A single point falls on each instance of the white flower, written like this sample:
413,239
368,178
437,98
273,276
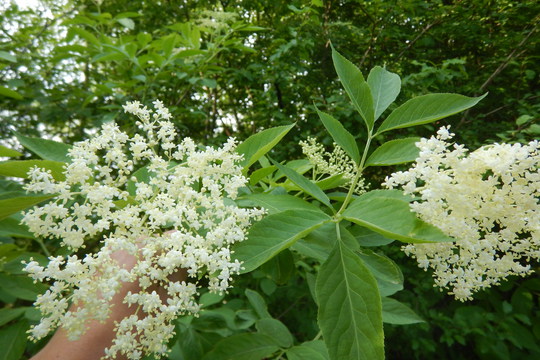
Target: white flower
488,200
127,191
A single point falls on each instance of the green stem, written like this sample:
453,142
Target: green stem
43,247
359,171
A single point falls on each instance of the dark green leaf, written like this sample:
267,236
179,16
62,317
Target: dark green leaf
13,341
355,86
427,108
247,346
259,144
21,286
350,314
311,350
15,204
340,135
275,233
46,149
276,330
306,185
387,273
7,314
394,152
258,303
208,299
385,87
277,203
394,312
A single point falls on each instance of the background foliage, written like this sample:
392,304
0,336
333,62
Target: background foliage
237,67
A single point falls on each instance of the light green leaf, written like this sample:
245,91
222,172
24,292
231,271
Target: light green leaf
388,274
7,56
126,22
46,149
393,219
260,174
4,91
259,144
275,233
385,87
394,152
258,303
340,135
278,203
4,151
276,330
247,346
13,341
427,108
349,307
311,350
397,313
12,205
20,168
356,87
306,185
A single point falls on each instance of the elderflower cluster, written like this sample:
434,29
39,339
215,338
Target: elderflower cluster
488,200
127,191
335,163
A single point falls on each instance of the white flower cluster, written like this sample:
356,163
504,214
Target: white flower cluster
176,187
488,200
334,163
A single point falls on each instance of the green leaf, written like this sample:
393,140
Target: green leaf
21,286
260,174
276,330
387,273
20,168
258,303
397,313
11,227
208,299
311,350
306,185
7,314
349,307
259,144
355,86
280,268
247,346
10,93
4,151
340,135
13,205
127,23
46,149
393,219
275,233
8,57
278,203
427,108
368,238
394,152
13,341
385,87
